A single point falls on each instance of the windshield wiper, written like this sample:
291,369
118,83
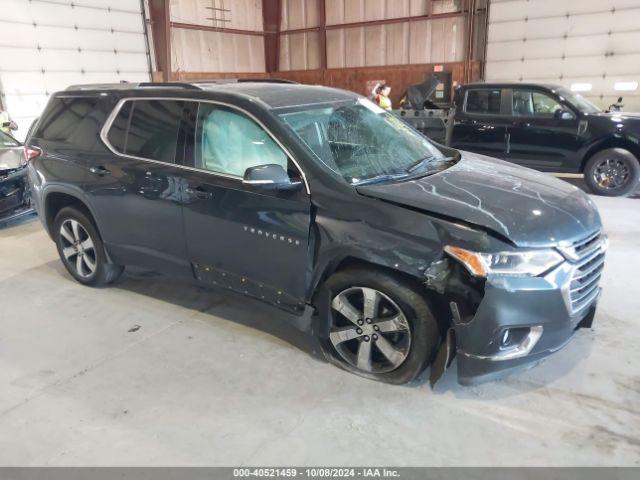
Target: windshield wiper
419,163
379,178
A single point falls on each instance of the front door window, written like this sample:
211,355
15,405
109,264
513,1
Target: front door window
229,142
534,104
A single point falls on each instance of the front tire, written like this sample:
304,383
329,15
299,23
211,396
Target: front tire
379,326
612,172
81,249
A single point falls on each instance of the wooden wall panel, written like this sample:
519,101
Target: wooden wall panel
335,49
446,6
398,77
420,42
309,77
354,79
350,11
243,14
207,51
299,14
439,40
203,76
300,51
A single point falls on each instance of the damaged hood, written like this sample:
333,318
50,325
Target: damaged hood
11,158
527,207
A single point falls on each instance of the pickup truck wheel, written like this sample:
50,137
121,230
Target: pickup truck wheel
380,327
612,172
81,250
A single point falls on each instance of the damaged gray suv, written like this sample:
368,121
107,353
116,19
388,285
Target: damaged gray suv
393,252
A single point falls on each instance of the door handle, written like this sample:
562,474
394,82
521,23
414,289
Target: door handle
198,192
100,170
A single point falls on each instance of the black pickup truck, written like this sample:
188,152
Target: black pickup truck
545,127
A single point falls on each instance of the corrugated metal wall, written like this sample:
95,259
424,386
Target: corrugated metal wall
46,46
211,51
590,44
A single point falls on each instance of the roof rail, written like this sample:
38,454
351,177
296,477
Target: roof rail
223,81
98,86
265,80
186,86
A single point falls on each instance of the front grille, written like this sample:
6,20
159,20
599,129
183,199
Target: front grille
588,258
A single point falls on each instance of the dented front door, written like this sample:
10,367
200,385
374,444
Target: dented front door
246,238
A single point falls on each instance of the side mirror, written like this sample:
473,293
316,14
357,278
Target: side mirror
561,114
269,177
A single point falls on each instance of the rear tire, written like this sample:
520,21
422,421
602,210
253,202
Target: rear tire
81,249
379,325
612,172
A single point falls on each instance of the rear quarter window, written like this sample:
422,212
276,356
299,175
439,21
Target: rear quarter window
483,101
72,120
147,129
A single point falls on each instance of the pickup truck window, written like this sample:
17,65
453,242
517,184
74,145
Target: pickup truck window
483,101
534,104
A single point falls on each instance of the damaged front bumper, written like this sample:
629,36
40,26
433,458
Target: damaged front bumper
521,319
514,329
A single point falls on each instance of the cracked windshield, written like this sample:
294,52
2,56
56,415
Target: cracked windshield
363,143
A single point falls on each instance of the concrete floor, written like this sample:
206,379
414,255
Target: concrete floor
194,385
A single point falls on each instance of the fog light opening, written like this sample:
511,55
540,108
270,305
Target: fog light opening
517,342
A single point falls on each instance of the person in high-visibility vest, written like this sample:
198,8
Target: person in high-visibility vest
381,98
6,124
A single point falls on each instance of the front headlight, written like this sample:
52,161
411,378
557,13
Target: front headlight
523,263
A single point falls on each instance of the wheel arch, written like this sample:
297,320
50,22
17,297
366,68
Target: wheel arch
56,198
610,142
350,260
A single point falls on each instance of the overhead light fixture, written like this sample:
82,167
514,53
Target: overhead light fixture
625,86
581,87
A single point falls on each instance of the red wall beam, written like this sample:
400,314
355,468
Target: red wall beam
161,31
322,20
271,13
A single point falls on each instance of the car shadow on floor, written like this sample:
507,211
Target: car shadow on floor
224,304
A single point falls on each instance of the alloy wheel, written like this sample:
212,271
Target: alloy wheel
369,330
611,174
78,249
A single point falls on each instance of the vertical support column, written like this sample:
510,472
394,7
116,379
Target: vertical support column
469,6
161,31
322,23
271,11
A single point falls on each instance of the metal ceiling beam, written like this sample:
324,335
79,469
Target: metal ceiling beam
160,19
210,28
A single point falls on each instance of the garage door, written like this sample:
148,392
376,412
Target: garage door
47,45
589,45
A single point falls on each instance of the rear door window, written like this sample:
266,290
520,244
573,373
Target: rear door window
147,129
483,101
